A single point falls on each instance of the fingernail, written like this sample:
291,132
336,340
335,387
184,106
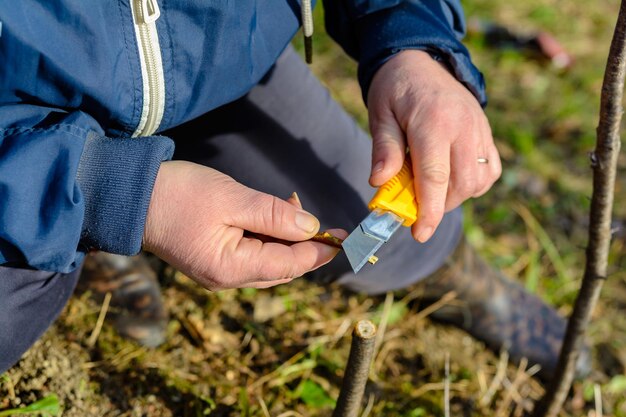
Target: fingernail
306,221
378,167
425,234
295,197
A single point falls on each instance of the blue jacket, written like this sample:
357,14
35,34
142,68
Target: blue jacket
86,85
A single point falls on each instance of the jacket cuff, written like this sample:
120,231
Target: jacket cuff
116,177
412,25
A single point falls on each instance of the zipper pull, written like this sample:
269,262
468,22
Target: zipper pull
150,11
307,29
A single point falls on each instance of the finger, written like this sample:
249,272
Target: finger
431,169
470,177
488,171
268,215
256,261
493,168
467,175
388,146
268,284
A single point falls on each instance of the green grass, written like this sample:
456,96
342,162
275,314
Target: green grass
48,406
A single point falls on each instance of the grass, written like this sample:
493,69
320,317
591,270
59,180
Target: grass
47,406
224,357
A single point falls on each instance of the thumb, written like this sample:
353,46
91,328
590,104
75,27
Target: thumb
388,146
268,215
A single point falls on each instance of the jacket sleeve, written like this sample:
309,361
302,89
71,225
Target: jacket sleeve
372,31
65,188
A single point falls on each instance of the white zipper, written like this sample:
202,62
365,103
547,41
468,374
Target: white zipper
145,15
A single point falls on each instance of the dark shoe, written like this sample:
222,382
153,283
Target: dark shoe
137,307
499,311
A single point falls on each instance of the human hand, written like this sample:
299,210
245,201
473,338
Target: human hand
197,219
414,101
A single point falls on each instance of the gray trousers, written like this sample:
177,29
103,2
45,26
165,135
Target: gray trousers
286,135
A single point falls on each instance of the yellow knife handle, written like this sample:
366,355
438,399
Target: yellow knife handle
398,195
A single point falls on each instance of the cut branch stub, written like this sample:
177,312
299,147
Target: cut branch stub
357,370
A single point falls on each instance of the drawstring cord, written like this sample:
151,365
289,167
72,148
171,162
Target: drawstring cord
307,29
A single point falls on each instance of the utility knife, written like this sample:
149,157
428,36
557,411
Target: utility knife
392,206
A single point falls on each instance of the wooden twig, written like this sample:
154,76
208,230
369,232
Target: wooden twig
443,301
370,405
357,370
597,395
446,387
511,391
93,338
497,380
327,238
604,165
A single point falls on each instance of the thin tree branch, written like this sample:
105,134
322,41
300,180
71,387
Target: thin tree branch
357,369
604,165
